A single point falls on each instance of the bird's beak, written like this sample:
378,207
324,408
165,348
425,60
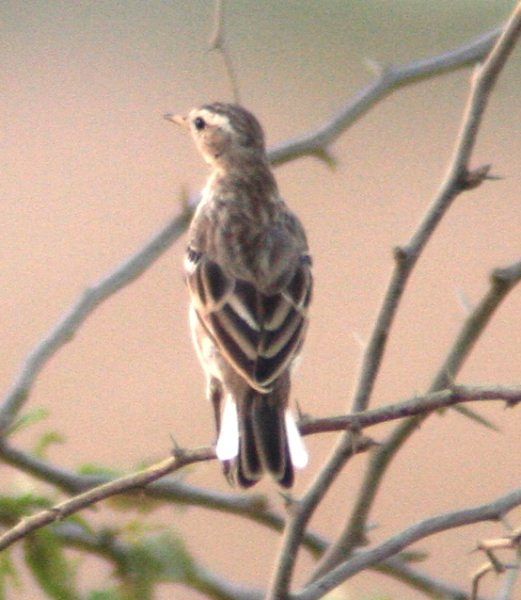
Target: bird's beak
177,119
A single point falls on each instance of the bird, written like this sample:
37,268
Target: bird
249,275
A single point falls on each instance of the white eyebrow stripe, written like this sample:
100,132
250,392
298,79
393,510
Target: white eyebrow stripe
212,118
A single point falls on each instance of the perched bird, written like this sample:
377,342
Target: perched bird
248,271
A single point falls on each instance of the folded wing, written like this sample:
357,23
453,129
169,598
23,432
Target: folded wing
259,334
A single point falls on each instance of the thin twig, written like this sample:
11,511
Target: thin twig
218,42
414,577
419,405
101,492
487,512
67,327
390,79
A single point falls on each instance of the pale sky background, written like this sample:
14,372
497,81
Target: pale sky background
90,171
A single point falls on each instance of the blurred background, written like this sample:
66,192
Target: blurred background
90,171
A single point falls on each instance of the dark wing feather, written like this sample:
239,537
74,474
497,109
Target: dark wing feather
258,334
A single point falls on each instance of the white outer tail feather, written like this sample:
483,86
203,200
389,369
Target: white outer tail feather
227,447
228,443
297,450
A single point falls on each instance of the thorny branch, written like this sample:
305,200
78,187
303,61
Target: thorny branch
486,512
218,42
455,181
92,490
502,281
313,143
390,79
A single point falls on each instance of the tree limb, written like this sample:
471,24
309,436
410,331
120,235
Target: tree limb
485,512
455,181
67,327
101,492
390,79
502,281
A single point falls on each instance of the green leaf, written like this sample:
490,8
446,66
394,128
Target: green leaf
29,418
93,469
8,574
155,559
45,441
46,558
111,594
13,508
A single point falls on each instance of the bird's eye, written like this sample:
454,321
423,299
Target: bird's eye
199,123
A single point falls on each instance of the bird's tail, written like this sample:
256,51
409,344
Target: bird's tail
267,437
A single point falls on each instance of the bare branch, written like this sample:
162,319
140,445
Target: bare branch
101,492
419,405
254,507
67,327
389,80
436,588
486,512
124,484
502,282
97,488
218,42
299,517
454,182
406,258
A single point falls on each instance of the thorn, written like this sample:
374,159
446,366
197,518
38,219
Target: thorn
375,67
300,413
326,157
400,254
228,472
359,339
464,301
177,451
291,504
473,179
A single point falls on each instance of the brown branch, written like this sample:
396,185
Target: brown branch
218,42
419,405
502,282
391,78
105,489
486,512
101,492
255,509
406,257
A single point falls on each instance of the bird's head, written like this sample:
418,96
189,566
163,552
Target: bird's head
227,135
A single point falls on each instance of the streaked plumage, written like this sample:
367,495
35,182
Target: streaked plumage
248,271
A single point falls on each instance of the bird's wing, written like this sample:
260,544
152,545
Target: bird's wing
259,334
